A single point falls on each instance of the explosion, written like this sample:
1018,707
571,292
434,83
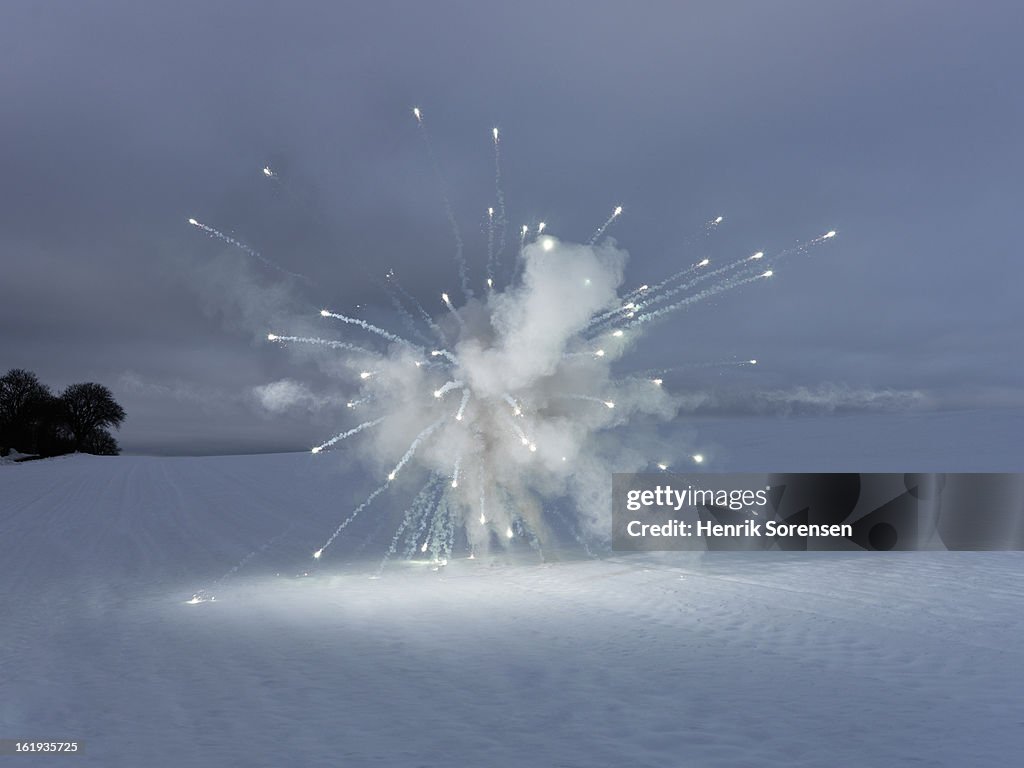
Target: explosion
503,405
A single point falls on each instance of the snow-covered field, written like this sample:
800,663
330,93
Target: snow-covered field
819,659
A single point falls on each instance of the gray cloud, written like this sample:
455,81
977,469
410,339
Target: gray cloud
897,125
819,399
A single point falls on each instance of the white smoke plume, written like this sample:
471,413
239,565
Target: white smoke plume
287,395
512,411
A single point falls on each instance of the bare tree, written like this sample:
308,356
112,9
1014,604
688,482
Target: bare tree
22,398
89,409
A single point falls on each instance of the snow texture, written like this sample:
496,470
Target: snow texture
668,660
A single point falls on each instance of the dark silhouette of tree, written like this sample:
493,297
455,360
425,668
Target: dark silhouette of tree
23,401
101,443
48,428
33,421
89,409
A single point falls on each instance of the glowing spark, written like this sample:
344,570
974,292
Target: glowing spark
753,362
831,233
419,115
589,398
494,133
662,466
718,220
508,533
698,458
548,244
657,382
599,353
490,213
617,333
448,387
271,337
767,273
703,262
540,227
445,354
451,308
316,555
268,172
758,255
513,404
193,222
365,374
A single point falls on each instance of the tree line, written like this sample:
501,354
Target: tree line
35,421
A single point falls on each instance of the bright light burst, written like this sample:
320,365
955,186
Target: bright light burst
510,413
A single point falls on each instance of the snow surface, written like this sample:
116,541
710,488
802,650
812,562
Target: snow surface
681,659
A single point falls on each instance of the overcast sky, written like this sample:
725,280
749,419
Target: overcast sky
897,124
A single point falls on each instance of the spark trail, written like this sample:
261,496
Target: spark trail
332,343
391,477
451,308
345,435
707,293
603,228
466,394
424,315
369,327
460,256
499,194
216,233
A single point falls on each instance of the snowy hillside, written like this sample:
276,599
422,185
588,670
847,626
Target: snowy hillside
721,660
